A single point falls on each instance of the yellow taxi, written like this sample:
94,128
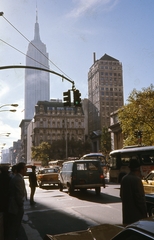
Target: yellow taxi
148,183
47,176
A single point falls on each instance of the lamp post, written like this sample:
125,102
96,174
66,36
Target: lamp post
11,105
5,134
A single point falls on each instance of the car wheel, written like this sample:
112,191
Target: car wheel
97,190
60,187
70,189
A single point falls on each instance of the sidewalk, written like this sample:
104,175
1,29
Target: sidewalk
27,231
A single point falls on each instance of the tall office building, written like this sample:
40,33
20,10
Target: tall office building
37,83
105,90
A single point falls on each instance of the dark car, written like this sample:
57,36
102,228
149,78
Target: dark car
81,174
150,203
141,230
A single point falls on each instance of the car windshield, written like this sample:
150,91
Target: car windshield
150,176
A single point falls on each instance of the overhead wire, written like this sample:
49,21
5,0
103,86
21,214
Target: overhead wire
23,53
34,47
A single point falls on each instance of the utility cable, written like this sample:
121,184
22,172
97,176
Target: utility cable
23,53
34,46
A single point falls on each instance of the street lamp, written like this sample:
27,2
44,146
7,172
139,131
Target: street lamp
11,110
5,134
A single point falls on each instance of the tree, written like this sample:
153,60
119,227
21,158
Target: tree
57,150
138,116
42,153
105,141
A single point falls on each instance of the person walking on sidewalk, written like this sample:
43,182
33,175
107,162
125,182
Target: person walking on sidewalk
32,184
132,195
17,193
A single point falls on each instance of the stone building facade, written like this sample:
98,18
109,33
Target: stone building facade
52,121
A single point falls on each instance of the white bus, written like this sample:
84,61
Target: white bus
119,161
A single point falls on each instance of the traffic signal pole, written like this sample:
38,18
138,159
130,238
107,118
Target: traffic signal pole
40,69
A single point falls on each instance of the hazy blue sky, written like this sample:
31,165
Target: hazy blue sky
72,30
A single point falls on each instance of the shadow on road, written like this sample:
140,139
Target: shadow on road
92,197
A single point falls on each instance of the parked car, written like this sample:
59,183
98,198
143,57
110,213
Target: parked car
148,183
47,176
150,204
81,174
141,230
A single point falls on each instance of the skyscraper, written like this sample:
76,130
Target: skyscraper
105,90
37,83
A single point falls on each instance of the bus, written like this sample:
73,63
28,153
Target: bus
119,161
99,156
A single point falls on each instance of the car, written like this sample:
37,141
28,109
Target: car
150,204
81,174
47,176
141,230
148,183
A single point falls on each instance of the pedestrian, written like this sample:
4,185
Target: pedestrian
4,197
13,171
32,184
132,194
16,201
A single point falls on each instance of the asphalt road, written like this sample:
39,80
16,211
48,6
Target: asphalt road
56,212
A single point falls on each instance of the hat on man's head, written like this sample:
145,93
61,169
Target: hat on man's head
134,163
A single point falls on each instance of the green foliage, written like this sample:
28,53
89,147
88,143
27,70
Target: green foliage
57,150
138,115
42,153
105,141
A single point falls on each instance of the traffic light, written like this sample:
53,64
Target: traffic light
67,98
77,98
136,134
140,134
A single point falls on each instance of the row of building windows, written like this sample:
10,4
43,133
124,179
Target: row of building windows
110,74
111,68
110,63
111,89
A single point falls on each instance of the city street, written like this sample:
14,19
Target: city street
56,212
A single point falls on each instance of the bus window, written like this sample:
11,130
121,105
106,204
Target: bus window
147,159
113,162
125,160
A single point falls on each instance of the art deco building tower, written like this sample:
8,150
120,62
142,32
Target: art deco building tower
37,83
105,91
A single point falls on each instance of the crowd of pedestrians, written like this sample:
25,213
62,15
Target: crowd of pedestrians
13,193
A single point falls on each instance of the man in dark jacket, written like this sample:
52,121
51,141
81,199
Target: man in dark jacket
32,184
17,194
132,195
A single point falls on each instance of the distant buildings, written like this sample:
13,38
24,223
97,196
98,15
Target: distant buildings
48,121
105,93
53,122
37,83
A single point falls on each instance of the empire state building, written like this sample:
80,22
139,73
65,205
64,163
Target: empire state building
37,83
